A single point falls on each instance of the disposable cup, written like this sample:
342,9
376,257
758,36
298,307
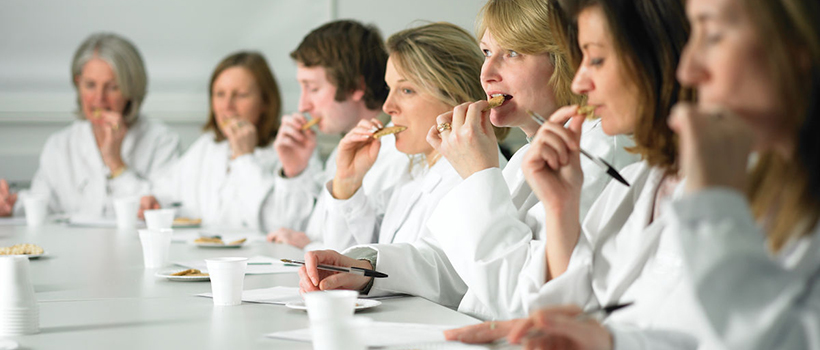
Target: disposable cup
227,279
36,210
155,245
126,209
16,289
158,219
344,334
331,305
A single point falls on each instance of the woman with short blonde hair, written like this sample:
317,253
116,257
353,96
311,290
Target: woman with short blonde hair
111,151
431,69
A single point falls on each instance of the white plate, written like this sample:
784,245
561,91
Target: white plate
167,274
30,256
215,245
361,304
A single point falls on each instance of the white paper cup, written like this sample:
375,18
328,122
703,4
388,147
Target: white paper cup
126,209
16,289
155,245
36,210
227,279
331,304
344,334
158,219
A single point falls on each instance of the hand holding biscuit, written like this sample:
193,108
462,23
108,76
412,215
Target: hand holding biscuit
294,144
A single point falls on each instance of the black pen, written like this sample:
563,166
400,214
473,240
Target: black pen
610,170
354,270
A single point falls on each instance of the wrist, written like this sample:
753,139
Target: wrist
289,172
344,188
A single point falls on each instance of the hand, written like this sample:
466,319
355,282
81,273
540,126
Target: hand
293,145
356,154
147,203
7,199
288,236
241,136
470,146
559,328
312,279
552,167
714,147
482,333
112,130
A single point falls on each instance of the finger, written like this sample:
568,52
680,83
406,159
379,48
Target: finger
568,136
485,333
271,236
476,115
459,115
519,330
678,116
433,138
558,145
446,117
377,123
337,281
4,188
542,317
563,114
311,267
548,155
305,285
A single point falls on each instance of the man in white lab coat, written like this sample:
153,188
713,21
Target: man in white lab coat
340,68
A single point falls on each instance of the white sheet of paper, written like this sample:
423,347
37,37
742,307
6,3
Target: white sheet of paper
390,335
275,266
274,295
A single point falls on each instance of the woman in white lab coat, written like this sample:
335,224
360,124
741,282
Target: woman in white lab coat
491,225
622,251
431,69
226,177
744,234
111,151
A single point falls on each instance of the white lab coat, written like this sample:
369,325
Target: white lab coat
622,256
491,226
72,173
407,252
388,169
753,299
225,193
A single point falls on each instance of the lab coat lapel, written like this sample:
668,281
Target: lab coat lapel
633,251
429,183
91,182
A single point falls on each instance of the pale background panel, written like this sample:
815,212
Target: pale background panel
181,42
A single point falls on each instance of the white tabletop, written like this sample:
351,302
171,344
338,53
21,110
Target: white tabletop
94,293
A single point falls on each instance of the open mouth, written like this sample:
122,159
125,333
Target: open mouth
498,100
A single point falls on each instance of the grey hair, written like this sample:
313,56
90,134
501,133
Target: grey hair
126,63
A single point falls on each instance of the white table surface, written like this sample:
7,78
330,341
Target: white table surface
94,293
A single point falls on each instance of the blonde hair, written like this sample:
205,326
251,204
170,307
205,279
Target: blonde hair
526,26
785,190
443,60
126,63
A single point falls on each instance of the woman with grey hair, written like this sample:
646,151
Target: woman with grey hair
110,151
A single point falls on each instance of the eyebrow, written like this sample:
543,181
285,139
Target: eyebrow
585,45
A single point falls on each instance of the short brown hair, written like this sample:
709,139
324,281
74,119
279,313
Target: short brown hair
443,60
649,37
255,63
352,54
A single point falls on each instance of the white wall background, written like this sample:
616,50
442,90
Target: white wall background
180,40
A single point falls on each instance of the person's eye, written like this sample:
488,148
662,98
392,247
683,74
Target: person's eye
114,88
487,53
219,94
406,91
714,38
89,85
596,61
513,53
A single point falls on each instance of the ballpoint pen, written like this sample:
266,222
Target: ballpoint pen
610,170
354,270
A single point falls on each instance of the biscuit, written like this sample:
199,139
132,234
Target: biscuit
22,249
311,123
388,131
